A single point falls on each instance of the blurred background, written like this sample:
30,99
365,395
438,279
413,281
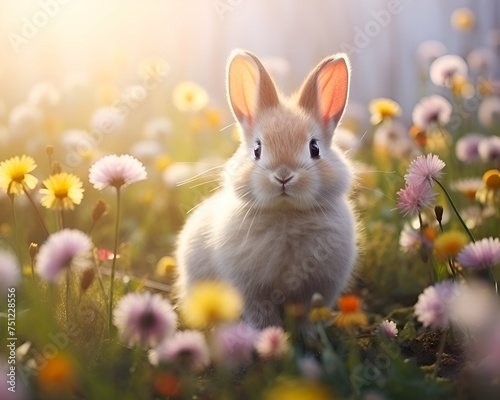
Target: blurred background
195,37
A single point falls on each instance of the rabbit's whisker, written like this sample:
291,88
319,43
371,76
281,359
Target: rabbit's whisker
203,183
197,176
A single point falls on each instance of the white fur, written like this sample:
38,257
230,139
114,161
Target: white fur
275,249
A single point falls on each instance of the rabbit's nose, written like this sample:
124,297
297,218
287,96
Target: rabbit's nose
283,181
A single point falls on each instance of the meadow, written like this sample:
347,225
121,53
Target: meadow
98,174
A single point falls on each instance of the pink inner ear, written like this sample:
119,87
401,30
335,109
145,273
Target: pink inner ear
333,85
242,88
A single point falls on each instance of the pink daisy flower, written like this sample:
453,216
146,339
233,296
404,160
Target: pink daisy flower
144,319
387,329
424,169
414,198
489,149
466,147
116,171
234,344
185,347
481,254
272,343
430,111
445,68
69,248
10,274
432,308
488,112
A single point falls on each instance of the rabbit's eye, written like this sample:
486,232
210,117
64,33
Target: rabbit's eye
314,148
257,150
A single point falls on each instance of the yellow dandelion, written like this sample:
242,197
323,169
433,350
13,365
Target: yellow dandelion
491,179
383,108
350,315
209,302
15,173
463,20
448,244
489,194
298,390
62,191
166,266
188,96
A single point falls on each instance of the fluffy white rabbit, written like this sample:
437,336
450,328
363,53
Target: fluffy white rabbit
281,228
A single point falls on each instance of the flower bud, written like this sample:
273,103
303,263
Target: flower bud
87,279
33,250
99,210
438,210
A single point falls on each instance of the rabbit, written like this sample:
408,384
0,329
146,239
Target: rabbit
282,227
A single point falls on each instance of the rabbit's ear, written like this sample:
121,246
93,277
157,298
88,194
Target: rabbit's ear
250,88
325,91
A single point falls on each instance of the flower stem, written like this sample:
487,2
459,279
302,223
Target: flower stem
465,227
324,339
62,219
37,212
32,263
67,297
423,254
16,231
113,265
91,228
452,268
455,210
442,343
101,285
